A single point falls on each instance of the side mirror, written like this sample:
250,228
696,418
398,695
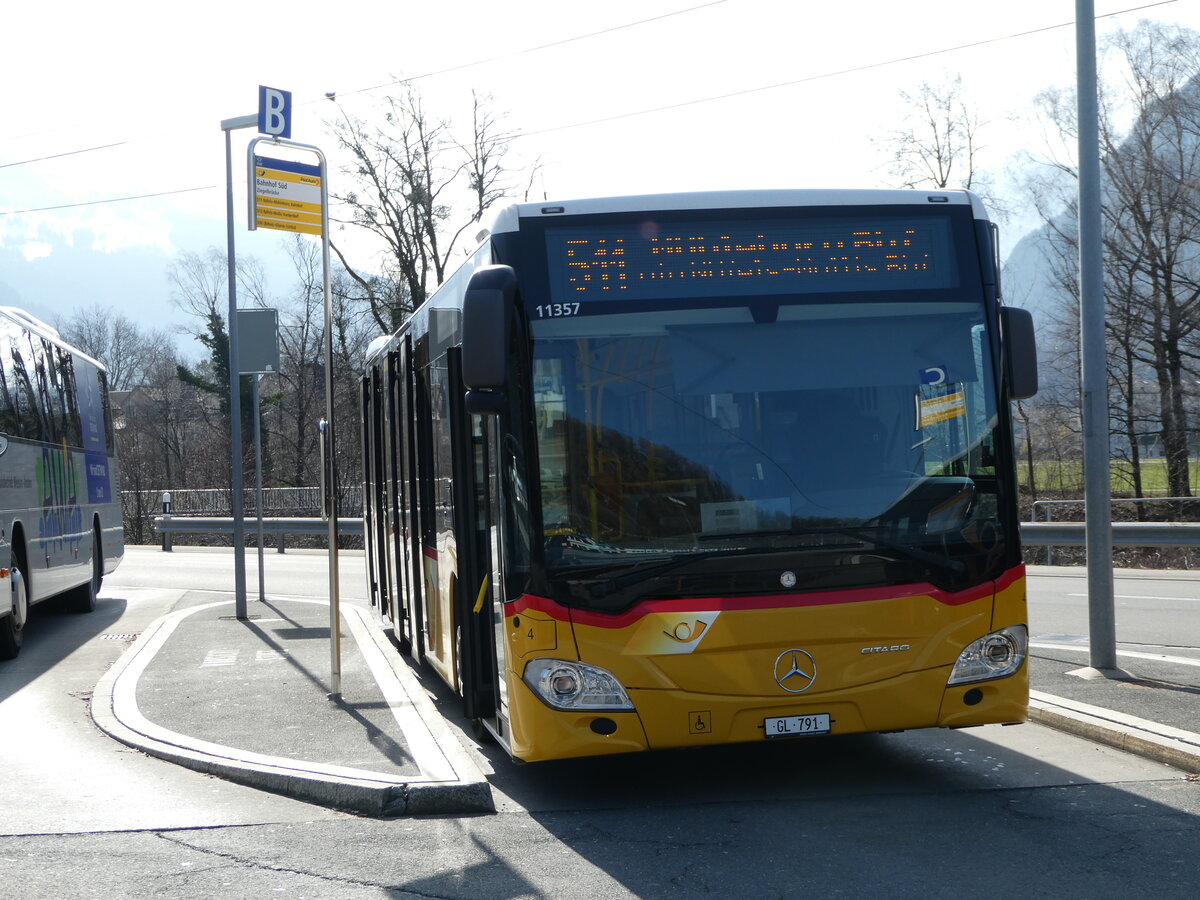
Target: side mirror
1020,352
488,306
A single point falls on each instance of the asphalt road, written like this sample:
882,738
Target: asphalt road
1154,610
1021,811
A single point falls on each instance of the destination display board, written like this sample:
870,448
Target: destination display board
750,257
287,195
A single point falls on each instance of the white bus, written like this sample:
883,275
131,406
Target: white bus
60,510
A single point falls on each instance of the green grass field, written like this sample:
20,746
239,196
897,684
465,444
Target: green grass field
1067,476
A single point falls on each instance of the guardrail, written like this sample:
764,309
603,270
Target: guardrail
271,525
1129,534
1048,507
291,501
1126,534
277,526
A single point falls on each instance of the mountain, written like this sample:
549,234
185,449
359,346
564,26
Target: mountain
132,281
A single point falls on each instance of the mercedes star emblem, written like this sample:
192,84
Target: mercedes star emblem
795,671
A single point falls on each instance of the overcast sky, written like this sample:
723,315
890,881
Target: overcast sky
627,96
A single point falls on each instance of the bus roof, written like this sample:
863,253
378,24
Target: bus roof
508,219
43,330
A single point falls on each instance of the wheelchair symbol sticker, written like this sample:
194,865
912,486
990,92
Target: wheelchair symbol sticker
934,375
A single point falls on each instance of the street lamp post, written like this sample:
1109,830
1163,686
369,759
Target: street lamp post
1097,487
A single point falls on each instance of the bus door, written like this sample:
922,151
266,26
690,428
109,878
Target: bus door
393,490
425,503
390,587
496,574
406,546
475,612
373,491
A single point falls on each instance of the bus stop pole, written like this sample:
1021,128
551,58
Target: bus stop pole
328,444
258,480
335,638
235,398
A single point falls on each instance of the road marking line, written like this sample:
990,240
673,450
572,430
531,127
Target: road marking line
422,746
1133,654
1143,597
126,712
219,658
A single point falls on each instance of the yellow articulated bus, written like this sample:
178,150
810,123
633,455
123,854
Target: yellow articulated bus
682,470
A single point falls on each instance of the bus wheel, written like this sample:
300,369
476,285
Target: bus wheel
480,732
12,626
83,598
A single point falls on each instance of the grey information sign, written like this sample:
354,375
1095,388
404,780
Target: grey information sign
258,345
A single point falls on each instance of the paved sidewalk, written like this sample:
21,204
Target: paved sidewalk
1150,707
249,701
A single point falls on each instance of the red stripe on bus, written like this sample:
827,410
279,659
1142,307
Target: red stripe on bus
1011,577
776,601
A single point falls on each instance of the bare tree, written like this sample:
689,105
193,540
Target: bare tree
300,380
939,146
1151,208
294,397
200,287
129,352
200,284
410,178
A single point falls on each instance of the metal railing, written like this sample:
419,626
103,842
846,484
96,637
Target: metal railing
286,501
1130,534
141,507
1126,534
1048,506
271,525
167,526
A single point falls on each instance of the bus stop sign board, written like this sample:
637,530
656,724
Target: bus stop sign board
287,195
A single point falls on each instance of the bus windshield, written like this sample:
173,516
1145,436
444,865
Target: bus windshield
687,452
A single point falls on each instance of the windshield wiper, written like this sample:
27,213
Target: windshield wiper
600,585
914,553
605,586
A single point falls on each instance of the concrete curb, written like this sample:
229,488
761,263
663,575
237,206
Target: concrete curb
1161,743
449,782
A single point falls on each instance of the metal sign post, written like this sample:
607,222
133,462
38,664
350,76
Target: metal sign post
259,356
294,197
235,394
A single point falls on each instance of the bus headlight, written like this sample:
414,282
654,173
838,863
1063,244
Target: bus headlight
569,685
994,655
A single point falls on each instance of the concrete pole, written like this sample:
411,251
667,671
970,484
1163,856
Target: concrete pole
1093,362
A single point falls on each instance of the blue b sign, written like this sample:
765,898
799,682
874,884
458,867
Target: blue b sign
274,112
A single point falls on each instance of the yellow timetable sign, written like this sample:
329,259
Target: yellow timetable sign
287,195
950,405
